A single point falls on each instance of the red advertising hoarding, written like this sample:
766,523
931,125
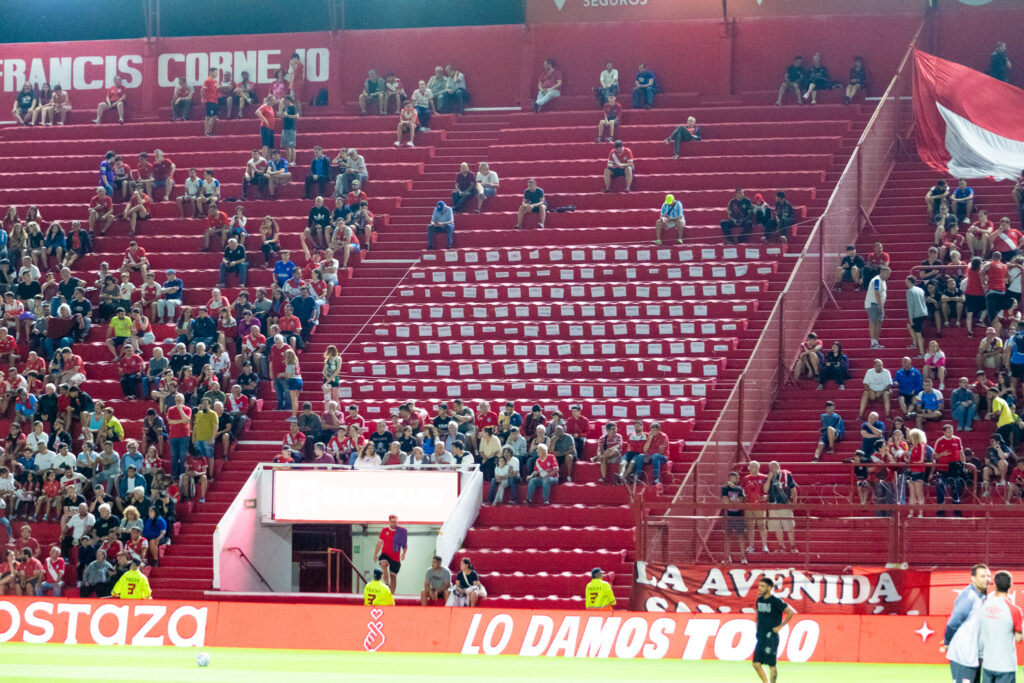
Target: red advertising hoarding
810,637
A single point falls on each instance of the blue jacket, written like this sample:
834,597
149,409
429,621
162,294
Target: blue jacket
909,382
320,167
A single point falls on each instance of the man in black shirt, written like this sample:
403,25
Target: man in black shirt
306,310
533,201
937,194
248,380
234,262
795,74
772,615
739,216
850,267
317,226
381,439
204,329
735,524
81,310
782,218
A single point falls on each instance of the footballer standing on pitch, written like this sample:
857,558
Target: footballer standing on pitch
772,615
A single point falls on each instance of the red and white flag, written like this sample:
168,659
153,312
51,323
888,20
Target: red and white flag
968,124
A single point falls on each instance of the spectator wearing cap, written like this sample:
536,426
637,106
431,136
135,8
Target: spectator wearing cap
619,164
598,594
671,217
831,432
173,290
443,221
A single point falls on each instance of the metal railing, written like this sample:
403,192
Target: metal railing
241,553
334,558
807,289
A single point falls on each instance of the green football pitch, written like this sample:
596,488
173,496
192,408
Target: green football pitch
82,663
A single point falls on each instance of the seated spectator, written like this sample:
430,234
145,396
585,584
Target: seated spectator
908,382
217,223
373,91
935,364
644,87
422,99
194,482
319,172
738,216
465,187
689,132
96,577
962,201
612,112
101,209
137,209
850,268
277,173
793,80
654,451
393,90
620,164
609,84
352,167
115,99
927,404
548,86
438,85
817,79
234,261
486,184
437,584
877,385
563,447
30,573
443,221
408,122
467,590
858,80
533,202
831,432
455,94
544,475
936,196
811,356
979,233
181,100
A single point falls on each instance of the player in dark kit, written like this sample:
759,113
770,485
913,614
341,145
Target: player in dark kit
772,615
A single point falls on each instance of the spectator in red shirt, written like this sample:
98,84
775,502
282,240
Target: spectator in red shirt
277,371
655,452
101,208
949,455
179,431
210,94
612,111
217,223
9,574
620,163
29,573
874,262
577,427
267,119
549,85
753,489
544,475
136,210
163,174
194,480
115,99
181,100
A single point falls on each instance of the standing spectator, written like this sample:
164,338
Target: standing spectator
373,91
949,456
919,456
296,78
739,215
609,84
210,93
831,432
442,221
999,64
549,85
735,525
794,78
289,120
392,544
179,431
115,99
690,132
671,216
644,87
753,488
268,119
993,277
874,304
610,117
486,184
598,594
917,311
437,583
620,163
533,202
877,385
781,490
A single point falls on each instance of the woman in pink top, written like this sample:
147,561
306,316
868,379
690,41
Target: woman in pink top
935,364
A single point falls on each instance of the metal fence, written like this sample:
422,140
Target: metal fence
807,289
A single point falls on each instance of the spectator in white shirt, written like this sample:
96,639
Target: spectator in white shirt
354,168
877,385
486,184
609,84
874,304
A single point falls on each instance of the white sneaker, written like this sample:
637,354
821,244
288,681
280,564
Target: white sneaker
398,144
750,548
409,144
764,548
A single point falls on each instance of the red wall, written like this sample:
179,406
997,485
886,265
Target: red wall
502,63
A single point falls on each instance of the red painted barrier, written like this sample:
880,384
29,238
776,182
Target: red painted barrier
810,637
